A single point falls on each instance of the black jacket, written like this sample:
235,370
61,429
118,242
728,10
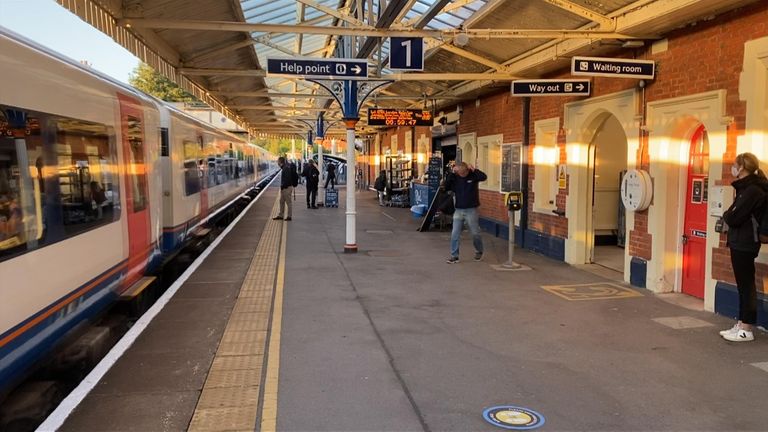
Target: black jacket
312,174
381,183
331,170
750,203
466,188
286,176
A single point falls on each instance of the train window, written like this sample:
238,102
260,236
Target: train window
165,142
21,219
86,171
137,169
56,179
193,173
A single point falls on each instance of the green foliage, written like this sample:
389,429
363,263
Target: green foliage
151,82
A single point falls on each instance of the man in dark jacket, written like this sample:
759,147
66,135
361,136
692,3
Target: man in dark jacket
287,181
464,182
330,176
312,174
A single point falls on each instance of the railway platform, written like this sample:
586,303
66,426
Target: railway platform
279,329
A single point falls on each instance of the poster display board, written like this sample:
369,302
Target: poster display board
511,167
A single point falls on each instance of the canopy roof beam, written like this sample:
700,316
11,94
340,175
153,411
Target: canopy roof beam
604,21
233,26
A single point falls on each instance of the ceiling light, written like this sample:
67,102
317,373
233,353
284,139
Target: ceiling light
461,39
633,44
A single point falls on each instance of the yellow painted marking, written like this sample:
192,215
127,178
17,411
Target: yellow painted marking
269,408
592,291
230,396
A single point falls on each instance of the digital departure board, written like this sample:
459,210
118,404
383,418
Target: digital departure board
399,117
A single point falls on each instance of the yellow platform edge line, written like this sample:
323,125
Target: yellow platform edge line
208,419
269,405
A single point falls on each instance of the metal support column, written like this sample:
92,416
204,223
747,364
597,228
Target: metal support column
350,120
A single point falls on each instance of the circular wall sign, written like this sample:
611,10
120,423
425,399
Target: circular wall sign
636,190
513,417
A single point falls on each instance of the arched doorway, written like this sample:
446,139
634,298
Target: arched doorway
694,236
606,218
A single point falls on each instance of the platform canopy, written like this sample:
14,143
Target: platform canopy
218,49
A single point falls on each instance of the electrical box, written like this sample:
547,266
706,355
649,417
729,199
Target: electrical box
514,201
720,198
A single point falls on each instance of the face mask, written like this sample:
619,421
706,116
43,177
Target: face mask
735,171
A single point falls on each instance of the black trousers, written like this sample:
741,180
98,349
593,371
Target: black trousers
744,270
311,196
331,180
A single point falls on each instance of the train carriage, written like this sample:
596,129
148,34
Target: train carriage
99,184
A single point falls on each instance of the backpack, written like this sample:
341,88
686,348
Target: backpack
380,184
761,226
294,176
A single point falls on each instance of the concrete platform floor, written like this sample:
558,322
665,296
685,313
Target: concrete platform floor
393,338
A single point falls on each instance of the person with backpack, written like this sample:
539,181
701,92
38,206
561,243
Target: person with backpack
288,180
744,219
331,175
380,185
312,174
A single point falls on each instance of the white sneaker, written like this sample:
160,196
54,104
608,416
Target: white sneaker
740,336
733,329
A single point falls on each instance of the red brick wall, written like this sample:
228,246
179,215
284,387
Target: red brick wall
700,58
497,114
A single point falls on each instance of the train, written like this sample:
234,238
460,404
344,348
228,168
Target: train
99,185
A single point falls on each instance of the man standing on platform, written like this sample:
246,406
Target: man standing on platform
288,179
464,182
312,174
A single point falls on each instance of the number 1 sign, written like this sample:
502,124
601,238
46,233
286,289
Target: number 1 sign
406,53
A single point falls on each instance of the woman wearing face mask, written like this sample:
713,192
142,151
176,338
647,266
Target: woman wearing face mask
742,218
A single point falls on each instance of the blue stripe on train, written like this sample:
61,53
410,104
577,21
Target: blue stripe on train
32,345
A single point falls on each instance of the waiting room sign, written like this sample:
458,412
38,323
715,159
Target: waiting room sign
613,67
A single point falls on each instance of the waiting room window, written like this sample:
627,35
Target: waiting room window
545,160
489,160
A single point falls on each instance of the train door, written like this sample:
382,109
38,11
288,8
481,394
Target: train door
695,222
136,193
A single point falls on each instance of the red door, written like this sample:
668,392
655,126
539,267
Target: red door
136,193
695,226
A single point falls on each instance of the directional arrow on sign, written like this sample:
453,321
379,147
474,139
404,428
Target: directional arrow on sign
551,87
356,69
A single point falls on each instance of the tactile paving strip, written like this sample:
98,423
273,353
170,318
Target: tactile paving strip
230,397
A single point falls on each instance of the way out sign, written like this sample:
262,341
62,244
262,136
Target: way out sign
551,88
613,67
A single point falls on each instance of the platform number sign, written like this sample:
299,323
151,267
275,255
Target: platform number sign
406,53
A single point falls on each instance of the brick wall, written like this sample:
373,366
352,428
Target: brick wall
704,57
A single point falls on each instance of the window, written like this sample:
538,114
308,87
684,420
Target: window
489,160
86,174
467,150
545,159
137,170
193,169
57,179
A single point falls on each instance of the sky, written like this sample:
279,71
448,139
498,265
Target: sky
54,27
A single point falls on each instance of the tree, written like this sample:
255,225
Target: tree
151,82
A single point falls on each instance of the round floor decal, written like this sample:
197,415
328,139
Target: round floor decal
512,417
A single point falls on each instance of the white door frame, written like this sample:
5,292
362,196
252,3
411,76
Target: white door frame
582,119
671,124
